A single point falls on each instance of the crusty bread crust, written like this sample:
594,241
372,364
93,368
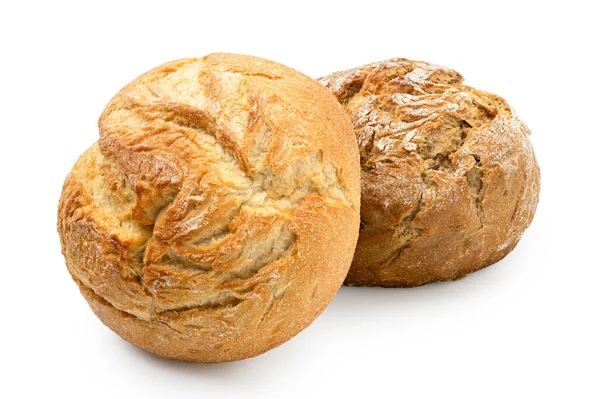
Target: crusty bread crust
218,213
449,178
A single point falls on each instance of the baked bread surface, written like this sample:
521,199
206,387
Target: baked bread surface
449,178
218,213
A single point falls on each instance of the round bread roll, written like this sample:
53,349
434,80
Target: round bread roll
218,213
449,178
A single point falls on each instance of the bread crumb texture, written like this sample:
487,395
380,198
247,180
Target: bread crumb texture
449,178
218,213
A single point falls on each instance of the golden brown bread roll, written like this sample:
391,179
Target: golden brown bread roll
449,177
218,213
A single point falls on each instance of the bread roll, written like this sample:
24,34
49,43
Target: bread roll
449,177
217,215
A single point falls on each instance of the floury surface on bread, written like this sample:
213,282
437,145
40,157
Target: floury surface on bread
217,215
449,177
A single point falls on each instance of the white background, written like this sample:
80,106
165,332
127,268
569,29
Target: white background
526,327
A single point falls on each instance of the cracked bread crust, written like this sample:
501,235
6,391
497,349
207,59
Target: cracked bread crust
449,177
217,215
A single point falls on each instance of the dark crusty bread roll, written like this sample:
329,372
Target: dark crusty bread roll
217,215
449,177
